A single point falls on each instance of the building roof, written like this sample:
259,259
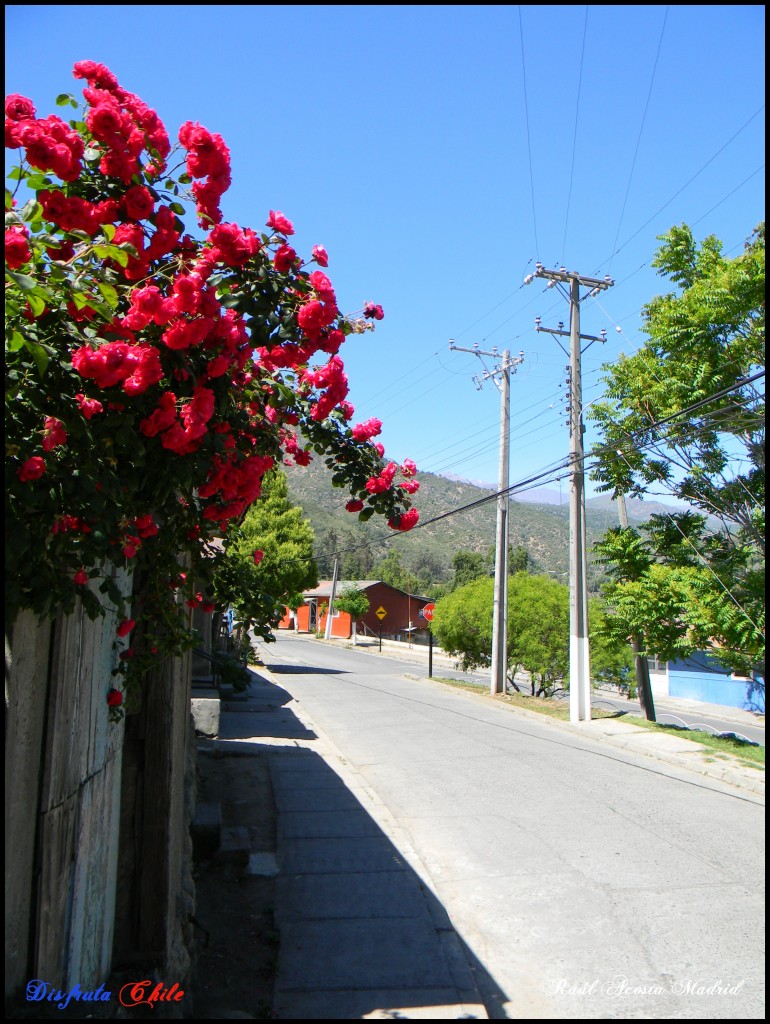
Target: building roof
324,588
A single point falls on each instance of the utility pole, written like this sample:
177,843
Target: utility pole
641,666
500,600
330,608
579,658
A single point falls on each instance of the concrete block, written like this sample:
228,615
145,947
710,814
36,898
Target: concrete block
206,713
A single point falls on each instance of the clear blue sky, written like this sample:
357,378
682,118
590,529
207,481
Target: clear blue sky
437,152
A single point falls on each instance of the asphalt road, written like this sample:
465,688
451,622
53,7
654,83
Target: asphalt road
590,882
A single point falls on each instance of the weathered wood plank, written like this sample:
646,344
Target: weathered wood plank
27,649
57,833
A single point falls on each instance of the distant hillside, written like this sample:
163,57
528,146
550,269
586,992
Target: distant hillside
542,529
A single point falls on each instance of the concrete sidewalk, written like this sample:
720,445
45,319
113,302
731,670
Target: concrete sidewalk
361,934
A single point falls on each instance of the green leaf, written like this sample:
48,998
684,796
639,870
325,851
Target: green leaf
16,342
40,356
16,174
38,181
31,210
177,208
24,281
65,99
109,293
36,303
112,252
108,230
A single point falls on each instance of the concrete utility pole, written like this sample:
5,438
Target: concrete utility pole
500,601
330,609
579,659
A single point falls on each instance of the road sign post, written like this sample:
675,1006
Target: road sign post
427,614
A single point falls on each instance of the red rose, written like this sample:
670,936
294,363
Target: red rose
19,108
258,556
125,627
354,505
89,406
114,698
32,469
373,312
81,577
406,521
138,203
279,223
16,248
320,256
284,258
54,434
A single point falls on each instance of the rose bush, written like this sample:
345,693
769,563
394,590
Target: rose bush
154,374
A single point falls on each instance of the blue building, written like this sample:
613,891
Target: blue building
701,677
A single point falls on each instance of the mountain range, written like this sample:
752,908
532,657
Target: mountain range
541,527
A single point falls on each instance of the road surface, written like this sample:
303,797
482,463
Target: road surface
589,882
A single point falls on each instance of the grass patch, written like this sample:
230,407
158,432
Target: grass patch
746,753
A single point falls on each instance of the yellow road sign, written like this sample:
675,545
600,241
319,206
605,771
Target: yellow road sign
380,613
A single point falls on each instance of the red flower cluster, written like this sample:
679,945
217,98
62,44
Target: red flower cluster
207,157
367,430
122,123
333,379
383,482
406,521
178,357
49,144
71,213
137,367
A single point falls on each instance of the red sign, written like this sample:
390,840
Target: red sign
427,612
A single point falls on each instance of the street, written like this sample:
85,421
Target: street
590,882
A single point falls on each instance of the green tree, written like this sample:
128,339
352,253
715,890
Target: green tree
391,570
538,630
538,627
462,623
612,660
269,557
355,603
358,559
468,566
684,415
518,559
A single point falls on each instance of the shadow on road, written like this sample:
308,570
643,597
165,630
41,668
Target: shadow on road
360,931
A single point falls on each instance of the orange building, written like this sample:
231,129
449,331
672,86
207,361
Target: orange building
393,613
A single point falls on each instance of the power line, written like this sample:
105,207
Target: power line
574,137
529,140
639,137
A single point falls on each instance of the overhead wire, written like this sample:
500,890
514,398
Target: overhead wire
639,136
529,137
574,136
